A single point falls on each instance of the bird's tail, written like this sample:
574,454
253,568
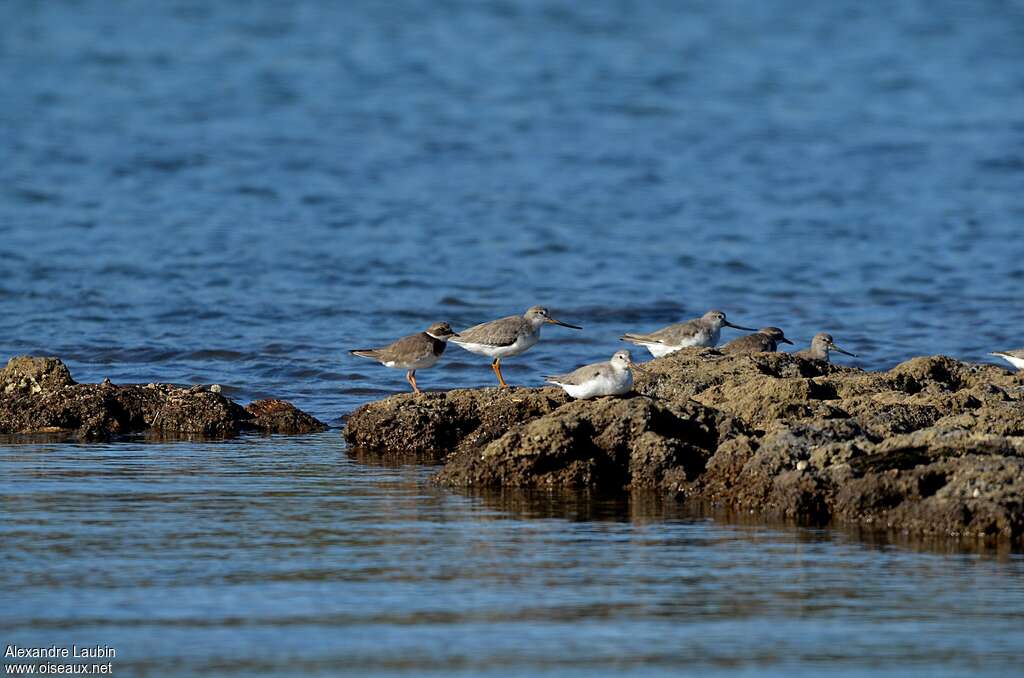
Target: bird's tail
634,338
370,353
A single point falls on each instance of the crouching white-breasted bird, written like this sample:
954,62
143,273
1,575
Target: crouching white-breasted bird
614,377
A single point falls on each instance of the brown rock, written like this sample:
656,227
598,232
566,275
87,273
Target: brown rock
933,445
31,375
279,416
39,395
608,442
431,425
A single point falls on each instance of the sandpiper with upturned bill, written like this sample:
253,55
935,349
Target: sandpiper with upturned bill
411,353
704,331
507,337
765,340
614,377
821,344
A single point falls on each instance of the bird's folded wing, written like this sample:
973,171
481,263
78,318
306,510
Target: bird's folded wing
408,349
502,332
675,333
579,376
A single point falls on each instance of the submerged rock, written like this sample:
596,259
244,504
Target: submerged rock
280,416
933,445
38,395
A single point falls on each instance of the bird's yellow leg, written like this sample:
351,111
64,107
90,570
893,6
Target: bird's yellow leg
496,366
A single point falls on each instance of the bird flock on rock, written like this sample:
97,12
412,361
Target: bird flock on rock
514,334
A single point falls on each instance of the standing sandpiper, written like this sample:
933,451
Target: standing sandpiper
414,352
1014,357
821,344
507,336
703,331
599,379
765,340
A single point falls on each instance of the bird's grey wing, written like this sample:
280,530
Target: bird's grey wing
501,332
666,335
1015,353
581,375
673,334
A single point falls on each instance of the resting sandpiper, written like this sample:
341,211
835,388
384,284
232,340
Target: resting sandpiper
765,340
703,331
599,379
507,336
821,344
1014,357
414,352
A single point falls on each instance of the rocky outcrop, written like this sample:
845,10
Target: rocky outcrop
933,445
608,443
430,426
38,395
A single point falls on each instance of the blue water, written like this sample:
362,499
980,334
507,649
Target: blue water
232,192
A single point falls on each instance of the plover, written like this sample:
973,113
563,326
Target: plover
703,331
507,336
614,377
411,353
765,340
821,344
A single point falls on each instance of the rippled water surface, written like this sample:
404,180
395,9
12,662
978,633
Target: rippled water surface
284,556
234,192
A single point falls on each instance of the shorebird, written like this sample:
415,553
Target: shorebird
414,352
765,340
703,331
821,344
613,377
1014,357
507,336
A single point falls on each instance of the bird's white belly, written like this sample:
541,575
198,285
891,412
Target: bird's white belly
659,350
604,385
522,343
1016,362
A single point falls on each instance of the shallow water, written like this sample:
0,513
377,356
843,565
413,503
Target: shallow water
232,193
281,555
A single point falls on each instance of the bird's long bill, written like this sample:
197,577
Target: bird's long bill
737,327
836,348
559,322
455,335
637,366
785,341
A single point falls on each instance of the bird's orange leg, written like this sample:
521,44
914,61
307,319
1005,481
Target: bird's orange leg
496,366
410,376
